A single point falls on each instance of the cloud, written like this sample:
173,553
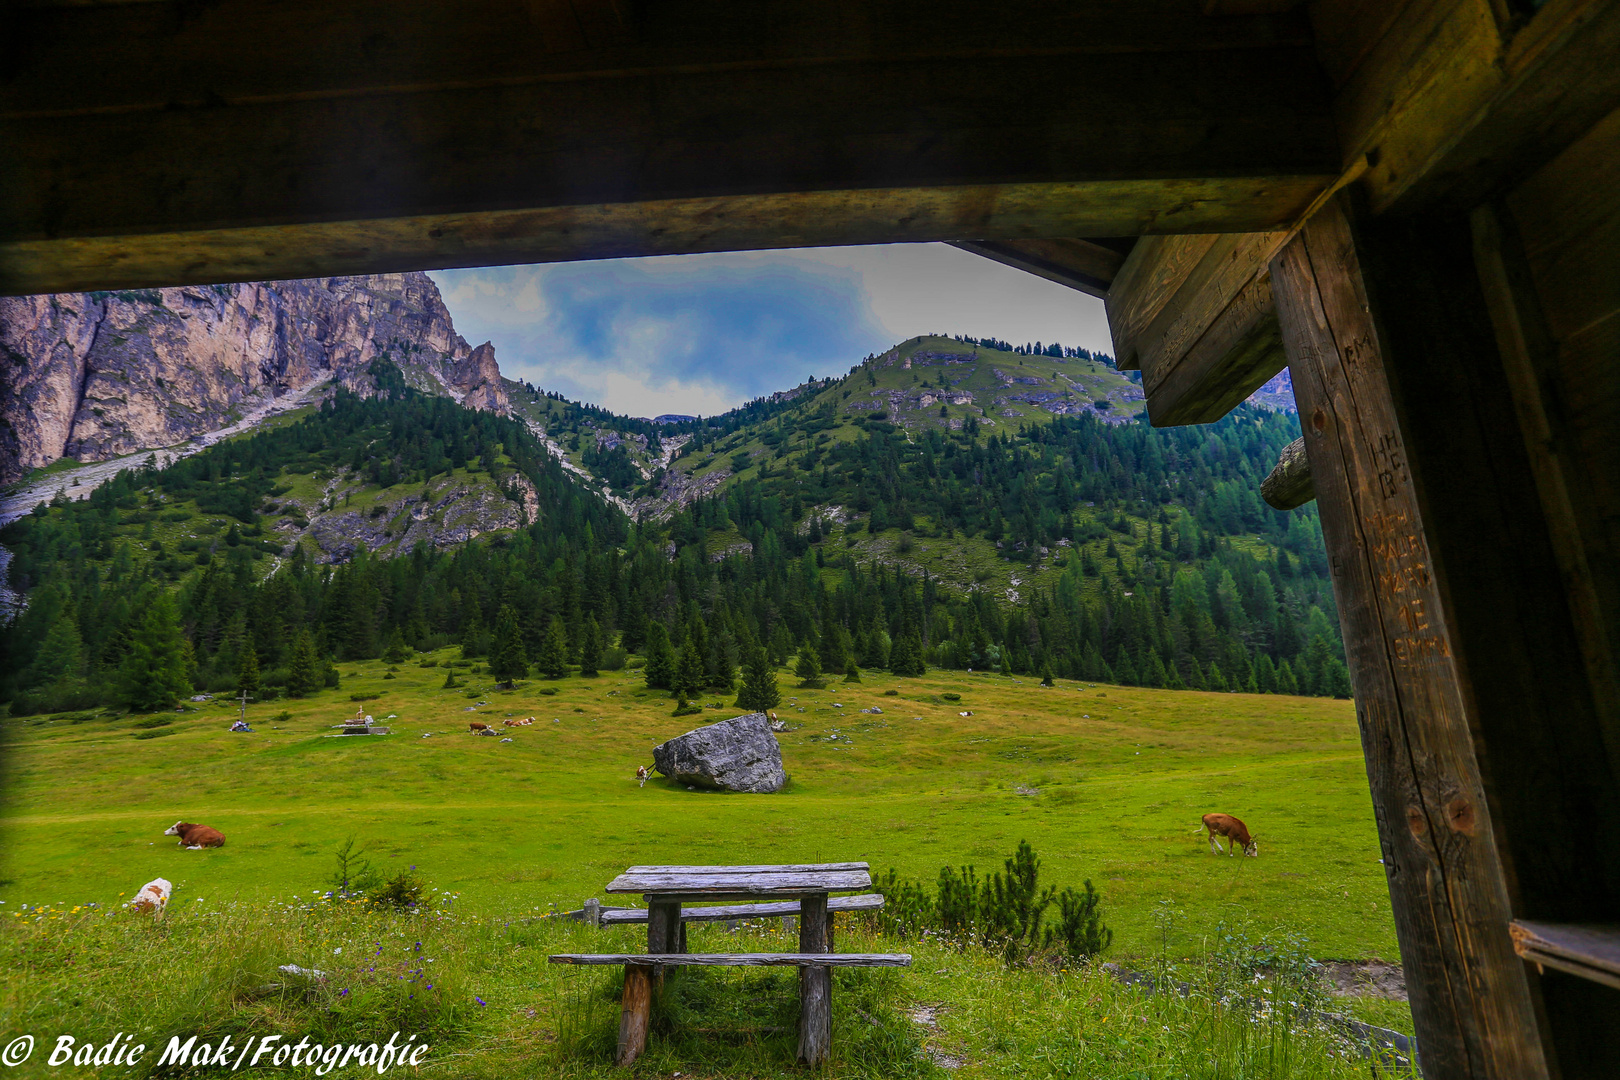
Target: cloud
704,333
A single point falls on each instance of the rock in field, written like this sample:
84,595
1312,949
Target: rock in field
739,754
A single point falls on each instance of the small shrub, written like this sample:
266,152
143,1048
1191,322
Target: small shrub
281,718
364,697
613,659
548,691
951,697
154,734
891,693
402,891
428,663
154,722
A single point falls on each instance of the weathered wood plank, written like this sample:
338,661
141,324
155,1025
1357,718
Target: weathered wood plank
763,868
1079,264
815,984
1146,281
1231,264
358,138
1572,483
639,960
1237,354
1471,1003
634,1010
1457,101
603,230
727,912
741,885
1289,485
1592,952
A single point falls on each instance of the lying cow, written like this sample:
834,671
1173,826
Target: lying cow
195,837
1236,833
518,723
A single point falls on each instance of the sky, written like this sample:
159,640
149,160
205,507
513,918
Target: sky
701,334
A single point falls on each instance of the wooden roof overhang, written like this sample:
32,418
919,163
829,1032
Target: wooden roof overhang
160,143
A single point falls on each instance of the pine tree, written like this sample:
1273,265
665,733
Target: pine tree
851,672
247,670
396,651
808,667
303,665
553,661
590,648
1046,674
1286,683
508,660
660,670
688,671
155,671
60,660
759,691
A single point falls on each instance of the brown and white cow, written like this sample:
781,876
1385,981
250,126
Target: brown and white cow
195,837
1236,833
641,775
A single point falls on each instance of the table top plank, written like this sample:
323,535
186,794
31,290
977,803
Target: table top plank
718,882
766,868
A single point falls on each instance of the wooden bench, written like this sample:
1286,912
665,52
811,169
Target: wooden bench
752,959
796,889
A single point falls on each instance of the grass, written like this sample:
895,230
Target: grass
478,991
1121,777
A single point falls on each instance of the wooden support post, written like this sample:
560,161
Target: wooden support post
636,1007
1472,1005
815,983
593,912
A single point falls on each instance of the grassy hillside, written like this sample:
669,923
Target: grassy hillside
1106,782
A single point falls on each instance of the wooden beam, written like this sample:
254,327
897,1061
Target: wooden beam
1080,264
162,143
1472,1005
1288,486
1195,314
1455,99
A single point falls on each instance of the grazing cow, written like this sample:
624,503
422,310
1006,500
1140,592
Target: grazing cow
641,775
195,837
153,897
477,726
1236,833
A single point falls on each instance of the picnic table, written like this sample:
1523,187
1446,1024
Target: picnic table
803,889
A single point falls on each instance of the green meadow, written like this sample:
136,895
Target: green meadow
1107,783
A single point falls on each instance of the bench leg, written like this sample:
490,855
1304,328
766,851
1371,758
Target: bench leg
815,984
633,1017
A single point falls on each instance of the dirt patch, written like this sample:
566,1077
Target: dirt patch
1366,978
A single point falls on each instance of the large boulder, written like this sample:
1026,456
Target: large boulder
739,754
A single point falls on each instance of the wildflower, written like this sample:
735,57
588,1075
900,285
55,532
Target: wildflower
480,1000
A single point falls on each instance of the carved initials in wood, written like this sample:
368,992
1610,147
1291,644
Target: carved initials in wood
1389,461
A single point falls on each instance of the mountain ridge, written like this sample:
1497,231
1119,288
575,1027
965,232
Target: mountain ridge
93,376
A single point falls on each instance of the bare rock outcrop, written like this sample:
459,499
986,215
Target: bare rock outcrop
739,754
95,375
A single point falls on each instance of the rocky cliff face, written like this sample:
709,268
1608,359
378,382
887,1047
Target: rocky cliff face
96,375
